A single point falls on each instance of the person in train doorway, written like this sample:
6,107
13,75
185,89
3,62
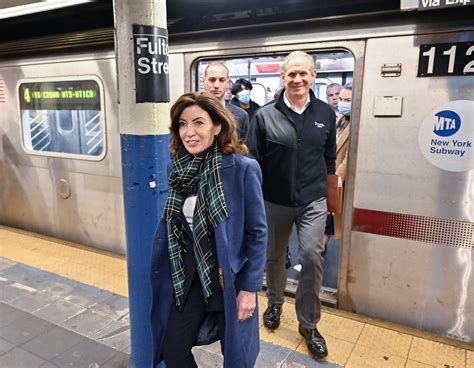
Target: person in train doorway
216,81
334,221
208,252
294,140
241,91
228,92
332,95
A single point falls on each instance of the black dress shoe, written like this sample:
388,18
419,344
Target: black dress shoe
271,317
314,341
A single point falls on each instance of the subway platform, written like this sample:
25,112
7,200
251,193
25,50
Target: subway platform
65,305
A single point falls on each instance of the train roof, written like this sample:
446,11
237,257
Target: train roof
88,24
183,15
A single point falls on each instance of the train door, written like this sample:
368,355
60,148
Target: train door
333,66
410,256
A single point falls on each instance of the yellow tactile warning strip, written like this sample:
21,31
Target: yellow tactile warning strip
353,341
90,266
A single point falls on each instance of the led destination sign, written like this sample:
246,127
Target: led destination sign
89,93
63,95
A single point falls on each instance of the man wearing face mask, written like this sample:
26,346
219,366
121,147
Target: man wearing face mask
241,90
334,222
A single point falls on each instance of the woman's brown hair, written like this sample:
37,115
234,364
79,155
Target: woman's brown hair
228,139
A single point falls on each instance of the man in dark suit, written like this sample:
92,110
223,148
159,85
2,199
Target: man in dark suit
216,78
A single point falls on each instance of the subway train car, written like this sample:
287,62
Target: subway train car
407,249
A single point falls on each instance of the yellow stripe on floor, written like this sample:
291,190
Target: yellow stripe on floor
90,266
353,340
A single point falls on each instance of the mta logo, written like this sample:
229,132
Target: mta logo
447,124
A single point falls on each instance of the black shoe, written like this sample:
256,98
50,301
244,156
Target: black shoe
314,341
271,317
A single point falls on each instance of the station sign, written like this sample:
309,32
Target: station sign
442,4
150,45
446,136
60,95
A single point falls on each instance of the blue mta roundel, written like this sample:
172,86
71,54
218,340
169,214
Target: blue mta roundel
447,123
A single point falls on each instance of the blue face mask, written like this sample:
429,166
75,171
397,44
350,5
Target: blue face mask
344,108
244,96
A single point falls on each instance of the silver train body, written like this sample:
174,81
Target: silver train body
417,273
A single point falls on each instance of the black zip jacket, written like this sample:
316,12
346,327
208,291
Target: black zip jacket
295,159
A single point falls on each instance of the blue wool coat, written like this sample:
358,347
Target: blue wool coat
241,247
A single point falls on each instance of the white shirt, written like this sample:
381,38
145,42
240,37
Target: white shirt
188,210
294,108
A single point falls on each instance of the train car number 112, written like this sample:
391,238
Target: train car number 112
446,59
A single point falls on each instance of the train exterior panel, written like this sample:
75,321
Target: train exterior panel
423,264
417,272
31,198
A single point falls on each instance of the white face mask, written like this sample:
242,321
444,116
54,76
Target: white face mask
344,108
243,96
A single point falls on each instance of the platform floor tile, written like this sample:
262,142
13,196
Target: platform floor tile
272,356
469,359
87,265
19,358
342,328
52,343
59,311
437,354
5,346
386,340
86,353
24,329
365,357
413,364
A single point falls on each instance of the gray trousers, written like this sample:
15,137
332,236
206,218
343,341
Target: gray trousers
310,222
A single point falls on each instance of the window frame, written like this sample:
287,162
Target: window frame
69,78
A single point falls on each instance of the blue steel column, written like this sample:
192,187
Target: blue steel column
144,142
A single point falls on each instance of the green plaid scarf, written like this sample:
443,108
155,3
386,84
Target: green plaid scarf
189,175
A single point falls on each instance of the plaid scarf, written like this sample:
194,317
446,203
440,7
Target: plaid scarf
189,175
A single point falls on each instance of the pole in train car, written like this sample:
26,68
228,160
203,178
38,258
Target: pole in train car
143,91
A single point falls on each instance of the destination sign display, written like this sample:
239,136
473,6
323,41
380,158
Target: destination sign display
60,95
442,4
446,59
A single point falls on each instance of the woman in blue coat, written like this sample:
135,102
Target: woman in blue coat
209,248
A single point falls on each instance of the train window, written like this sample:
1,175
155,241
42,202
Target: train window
264,72
63,117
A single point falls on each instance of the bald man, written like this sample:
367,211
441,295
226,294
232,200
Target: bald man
216,79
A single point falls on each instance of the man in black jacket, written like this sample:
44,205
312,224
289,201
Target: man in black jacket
294,140
216,80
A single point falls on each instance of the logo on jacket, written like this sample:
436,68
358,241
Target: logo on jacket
319,125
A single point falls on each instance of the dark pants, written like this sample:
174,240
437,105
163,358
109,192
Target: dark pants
183,328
